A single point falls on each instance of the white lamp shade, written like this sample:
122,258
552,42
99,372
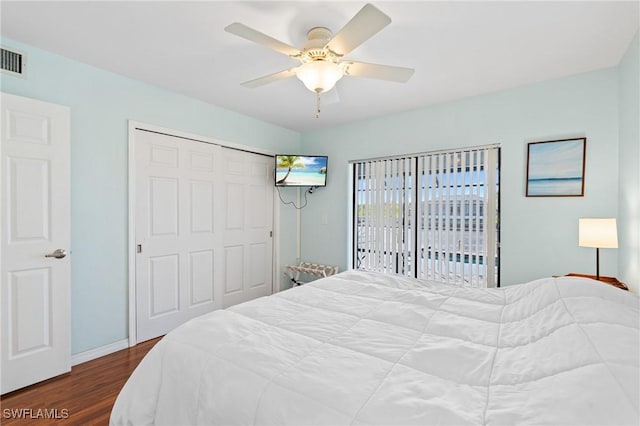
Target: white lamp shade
319,76
597,232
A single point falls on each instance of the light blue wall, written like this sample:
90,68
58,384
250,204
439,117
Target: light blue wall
101,103
539,235
629,205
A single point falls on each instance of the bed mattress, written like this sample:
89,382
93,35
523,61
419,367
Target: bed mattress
366,348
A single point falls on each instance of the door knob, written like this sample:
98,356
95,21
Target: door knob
58,254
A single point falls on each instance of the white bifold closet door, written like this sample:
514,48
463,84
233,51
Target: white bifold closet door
201,221
248,224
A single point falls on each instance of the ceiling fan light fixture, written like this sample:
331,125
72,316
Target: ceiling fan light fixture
320,58
319,76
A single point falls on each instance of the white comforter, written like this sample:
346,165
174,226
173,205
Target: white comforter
362,348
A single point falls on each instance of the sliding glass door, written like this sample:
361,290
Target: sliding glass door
432,216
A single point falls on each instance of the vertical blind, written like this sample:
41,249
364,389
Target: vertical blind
432,216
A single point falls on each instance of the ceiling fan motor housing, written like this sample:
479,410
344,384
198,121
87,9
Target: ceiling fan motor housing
314,49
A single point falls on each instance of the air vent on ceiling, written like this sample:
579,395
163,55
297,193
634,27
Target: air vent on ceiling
12,62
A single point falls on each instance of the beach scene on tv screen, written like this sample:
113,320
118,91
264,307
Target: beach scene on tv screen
298,170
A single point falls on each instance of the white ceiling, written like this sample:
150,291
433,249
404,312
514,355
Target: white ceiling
458,49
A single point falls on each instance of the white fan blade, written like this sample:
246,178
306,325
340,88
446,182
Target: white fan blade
380,72
281,75
367,22
255,36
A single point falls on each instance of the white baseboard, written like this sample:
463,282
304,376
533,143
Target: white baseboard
92,354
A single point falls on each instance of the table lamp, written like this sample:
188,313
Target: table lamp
598,233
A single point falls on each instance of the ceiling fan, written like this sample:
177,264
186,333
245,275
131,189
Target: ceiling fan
321,58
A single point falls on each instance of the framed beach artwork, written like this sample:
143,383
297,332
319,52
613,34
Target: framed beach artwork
556,168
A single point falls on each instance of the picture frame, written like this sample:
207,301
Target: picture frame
555,168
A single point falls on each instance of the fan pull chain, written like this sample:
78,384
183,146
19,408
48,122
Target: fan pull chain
318,104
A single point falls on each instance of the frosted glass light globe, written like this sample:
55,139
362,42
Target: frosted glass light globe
319,76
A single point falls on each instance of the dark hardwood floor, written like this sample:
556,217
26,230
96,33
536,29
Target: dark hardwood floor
84,396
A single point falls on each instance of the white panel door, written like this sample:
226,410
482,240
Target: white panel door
178,241
248,224
35,205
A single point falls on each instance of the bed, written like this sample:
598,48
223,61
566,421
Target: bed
362,348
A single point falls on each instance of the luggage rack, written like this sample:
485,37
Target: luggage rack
315,269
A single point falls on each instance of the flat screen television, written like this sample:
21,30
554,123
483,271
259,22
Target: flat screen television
301,170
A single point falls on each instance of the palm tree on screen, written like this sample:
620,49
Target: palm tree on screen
289,162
